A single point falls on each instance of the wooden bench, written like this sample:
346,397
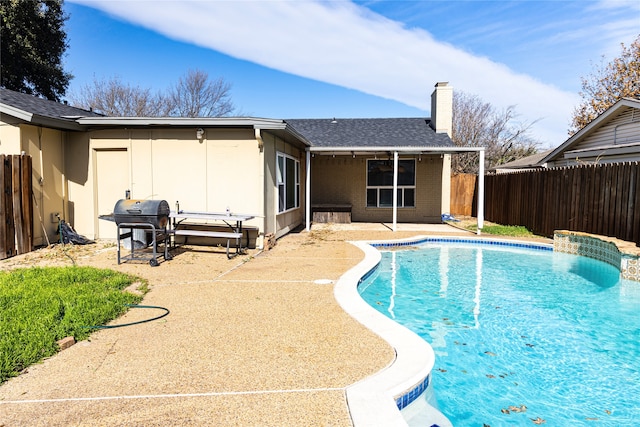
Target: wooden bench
331,212
228,235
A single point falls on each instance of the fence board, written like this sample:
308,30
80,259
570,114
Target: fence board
599,199
607,175
636,208
4,190
26,221
17,201
16,212
462,194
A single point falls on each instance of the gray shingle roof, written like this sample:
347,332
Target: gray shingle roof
390,132
531,161
41,107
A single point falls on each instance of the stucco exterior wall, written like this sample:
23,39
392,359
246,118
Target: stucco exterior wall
342,180
9,135
79,210
227,168
46,148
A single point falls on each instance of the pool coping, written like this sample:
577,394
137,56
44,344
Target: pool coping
372,401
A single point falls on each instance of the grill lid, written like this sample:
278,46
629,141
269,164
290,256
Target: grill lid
155,212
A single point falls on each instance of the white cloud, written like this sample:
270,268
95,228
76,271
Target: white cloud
348,45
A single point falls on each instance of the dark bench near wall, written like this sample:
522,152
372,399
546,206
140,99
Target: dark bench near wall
338,213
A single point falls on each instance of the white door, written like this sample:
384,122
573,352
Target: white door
112,182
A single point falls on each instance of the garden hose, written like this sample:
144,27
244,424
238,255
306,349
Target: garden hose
133,323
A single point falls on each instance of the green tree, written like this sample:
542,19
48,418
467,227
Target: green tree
608,83
477,123
33,42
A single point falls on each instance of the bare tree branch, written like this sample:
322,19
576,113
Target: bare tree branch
196,96
115,98
193,96
477,123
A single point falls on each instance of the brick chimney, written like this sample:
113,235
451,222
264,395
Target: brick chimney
442,108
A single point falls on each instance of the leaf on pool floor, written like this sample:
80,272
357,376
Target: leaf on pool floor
490,376
441,370
592,419
489,353
608,412
538,420
505,411
521,408
529,345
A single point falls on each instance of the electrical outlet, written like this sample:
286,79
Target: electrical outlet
54,217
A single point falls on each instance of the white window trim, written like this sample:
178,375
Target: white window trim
390,187
281,179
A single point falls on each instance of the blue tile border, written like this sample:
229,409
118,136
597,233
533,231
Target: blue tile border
407,398
480,242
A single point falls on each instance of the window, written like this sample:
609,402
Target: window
380,183
288,179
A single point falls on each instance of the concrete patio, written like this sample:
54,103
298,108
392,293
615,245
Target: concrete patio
256,340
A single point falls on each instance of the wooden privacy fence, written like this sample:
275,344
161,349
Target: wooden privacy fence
16,211
601,199
463,194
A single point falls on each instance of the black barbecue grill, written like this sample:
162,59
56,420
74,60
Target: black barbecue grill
152,216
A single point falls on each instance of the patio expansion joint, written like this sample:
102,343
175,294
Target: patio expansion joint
171,396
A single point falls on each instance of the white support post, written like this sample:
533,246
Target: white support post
307,192
395,190
480,190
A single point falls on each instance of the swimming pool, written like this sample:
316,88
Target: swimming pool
521,336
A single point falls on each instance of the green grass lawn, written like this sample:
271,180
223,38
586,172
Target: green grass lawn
39,306
503,230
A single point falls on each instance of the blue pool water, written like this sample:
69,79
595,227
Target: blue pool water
520,335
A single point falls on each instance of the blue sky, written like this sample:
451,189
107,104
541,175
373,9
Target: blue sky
317,59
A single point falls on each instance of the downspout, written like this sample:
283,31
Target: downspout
263,205
395,190
480,190
258,135
307,191
65,184
41,183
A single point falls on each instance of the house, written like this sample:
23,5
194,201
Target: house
612,137
273,169
528,163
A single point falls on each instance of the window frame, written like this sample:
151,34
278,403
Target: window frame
404,190
287,186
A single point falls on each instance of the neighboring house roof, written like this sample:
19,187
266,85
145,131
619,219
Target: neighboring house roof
40,111
529,162
386,132
603,119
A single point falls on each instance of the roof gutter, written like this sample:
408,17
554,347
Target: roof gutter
183,121
38,120
16,112
415,149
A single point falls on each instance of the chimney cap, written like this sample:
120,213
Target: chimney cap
439,84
